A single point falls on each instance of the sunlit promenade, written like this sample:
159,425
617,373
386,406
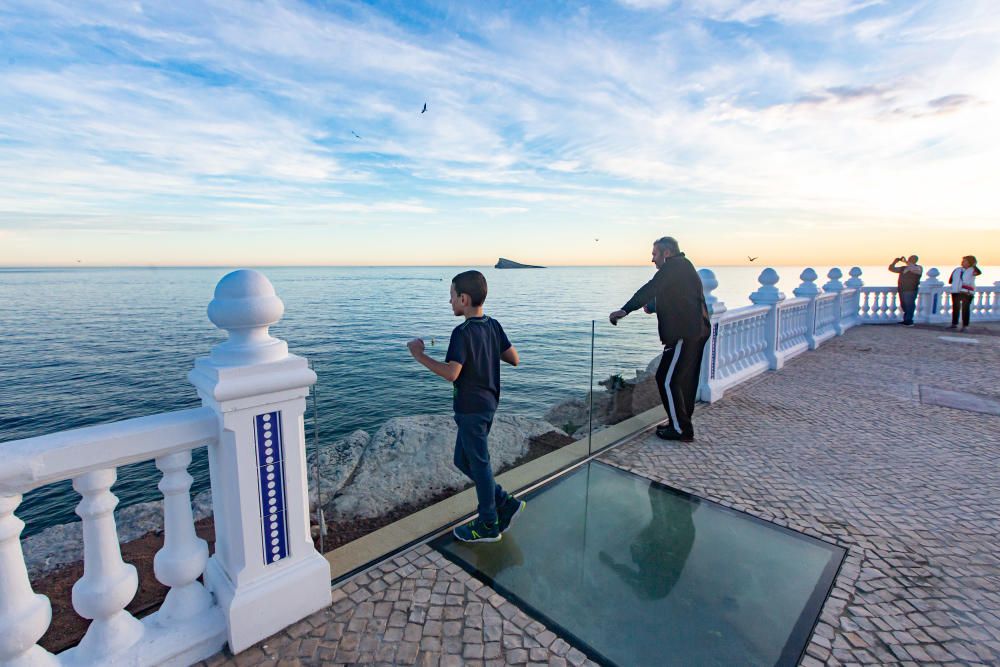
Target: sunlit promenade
837,505
849,444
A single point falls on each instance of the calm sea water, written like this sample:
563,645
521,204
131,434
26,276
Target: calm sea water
87,346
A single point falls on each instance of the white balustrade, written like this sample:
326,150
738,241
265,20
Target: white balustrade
24,615
809,290
108,584
769,295
880,305
183,557
265,574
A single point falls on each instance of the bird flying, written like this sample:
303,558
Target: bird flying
424,110
358,136
751,258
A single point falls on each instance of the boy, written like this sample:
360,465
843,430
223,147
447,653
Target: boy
473,364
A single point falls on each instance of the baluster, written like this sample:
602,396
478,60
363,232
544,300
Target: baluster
744,349
725,342
183,557
24,614
108,583
866,308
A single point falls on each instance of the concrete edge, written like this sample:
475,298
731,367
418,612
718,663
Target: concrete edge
377,545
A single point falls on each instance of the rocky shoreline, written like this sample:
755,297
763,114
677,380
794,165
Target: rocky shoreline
403,466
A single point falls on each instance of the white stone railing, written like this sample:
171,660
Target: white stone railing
264,574
748,341
880,305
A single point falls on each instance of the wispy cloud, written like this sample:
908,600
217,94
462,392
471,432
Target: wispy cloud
288,115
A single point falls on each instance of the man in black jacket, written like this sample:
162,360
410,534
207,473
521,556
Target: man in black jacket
677,295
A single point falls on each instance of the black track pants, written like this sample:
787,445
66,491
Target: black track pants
677,379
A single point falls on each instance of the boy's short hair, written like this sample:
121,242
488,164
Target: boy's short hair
472,283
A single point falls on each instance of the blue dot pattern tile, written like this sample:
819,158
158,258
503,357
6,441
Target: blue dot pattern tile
271,483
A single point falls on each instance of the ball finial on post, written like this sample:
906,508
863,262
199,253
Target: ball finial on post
932,279
855,280
768,291
808,286
708,283
834,285
245,305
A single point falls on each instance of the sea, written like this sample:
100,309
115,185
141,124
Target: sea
84,346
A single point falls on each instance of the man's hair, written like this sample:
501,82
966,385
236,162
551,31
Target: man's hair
914,259
668,243
472,283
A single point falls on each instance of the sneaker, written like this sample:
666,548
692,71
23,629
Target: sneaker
674,435
665,426
953,326
478,530
509,511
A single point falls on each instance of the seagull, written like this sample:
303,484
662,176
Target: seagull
597,239
751,258
424,110
355,134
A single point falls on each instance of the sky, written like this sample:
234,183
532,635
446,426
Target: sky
287,133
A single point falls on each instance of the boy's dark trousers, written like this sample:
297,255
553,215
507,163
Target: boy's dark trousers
908,302
960,301
472,457
677,379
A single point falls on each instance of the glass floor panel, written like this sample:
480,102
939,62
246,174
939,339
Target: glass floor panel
637,573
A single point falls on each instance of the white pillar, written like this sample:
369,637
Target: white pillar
108,583
265,572
929,295
769,295
24,614
809,290
183,557
706,390
834,285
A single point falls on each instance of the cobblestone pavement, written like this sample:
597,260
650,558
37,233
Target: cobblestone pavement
416,609
836,445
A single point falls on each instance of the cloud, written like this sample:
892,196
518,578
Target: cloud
750,11
245,113
949,103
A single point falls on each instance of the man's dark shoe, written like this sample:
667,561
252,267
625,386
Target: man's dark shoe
478,530
509,511
665,426
674,435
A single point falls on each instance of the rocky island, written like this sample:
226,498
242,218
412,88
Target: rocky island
504,263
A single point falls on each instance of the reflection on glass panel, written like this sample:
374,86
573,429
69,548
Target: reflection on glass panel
647,575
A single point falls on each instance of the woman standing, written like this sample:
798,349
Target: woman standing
963,290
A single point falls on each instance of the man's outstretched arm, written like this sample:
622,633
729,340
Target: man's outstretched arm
644,295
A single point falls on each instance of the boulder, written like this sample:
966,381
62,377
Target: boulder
409,460
336,465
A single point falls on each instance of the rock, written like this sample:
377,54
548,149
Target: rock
409,459
504,263
336,465
573,415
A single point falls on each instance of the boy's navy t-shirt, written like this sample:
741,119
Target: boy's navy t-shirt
477,344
